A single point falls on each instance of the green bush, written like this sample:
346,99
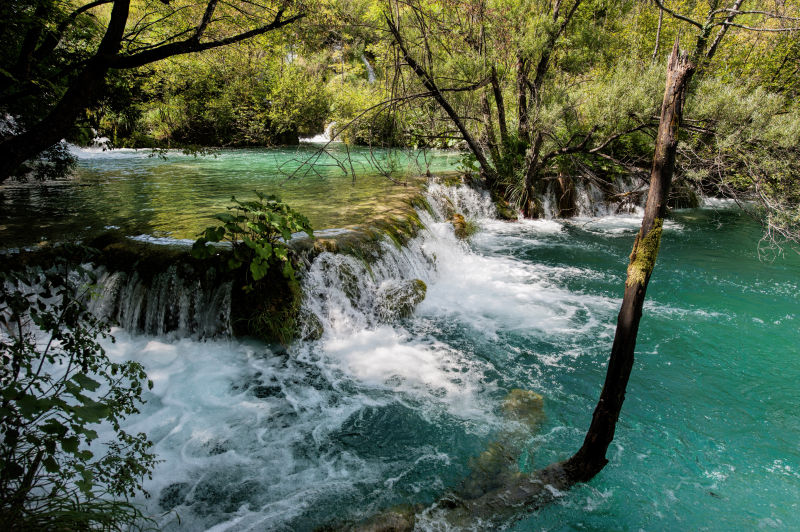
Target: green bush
258,232
58,387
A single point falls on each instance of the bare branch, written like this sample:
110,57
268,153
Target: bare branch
677,15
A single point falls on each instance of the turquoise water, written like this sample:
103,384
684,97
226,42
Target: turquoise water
175,195
376,414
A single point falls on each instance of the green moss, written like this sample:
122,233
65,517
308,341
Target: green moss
644,254
505,211
463,228
399,301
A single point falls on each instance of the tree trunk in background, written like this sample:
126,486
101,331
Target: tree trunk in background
591,457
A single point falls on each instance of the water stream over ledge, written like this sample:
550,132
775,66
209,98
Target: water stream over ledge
384,411
380,413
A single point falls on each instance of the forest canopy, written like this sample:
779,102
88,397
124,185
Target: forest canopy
543,95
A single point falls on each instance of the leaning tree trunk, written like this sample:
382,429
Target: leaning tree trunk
591,457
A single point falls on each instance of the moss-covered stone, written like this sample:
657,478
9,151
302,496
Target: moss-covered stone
505,211
400,299
459,225
397,519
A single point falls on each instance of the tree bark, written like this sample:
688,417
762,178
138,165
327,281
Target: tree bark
501,107
491,138
591,458
522,96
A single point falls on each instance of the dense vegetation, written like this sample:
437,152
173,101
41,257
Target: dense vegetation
543,97
58,385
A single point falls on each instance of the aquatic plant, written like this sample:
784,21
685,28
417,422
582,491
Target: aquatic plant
258,231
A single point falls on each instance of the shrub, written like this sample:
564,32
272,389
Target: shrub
58,387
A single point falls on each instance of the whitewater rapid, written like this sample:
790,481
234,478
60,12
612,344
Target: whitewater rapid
375,412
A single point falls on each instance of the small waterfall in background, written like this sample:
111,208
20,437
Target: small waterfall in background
370,70
626,195
321,138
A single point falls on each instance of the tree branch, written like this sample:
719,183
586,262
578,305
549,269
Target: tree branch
192,44
677,15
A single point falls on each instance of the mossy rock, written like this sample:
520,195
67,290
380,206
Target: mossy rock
399,300
450,180
505,211
524,406
463,228
397,519
459,225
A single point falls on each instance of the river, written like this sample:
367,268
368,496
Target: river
376,414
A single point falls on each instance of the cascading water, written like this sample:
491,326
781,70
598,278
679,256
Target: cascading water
384,410
624,195
370,70
171,302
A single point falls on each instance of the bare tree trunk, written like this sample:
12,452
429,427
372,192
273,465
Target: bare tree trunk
491,138
488,172
658,34
522,97
591,457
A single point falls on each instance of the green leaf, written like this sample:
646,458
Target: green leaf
259,269
54,428
225,217
85,382
70,445
288,271
264,251
50,464
201,250
93,412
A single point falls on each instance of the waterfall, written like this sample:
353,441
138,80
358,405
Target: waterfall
172,302
625,195
322,138
345,293
370,70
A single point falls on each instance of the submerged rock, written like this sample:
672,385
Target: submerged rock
399,300
398,519
524,406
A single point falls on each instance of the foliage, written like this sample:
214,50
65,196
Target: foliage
258,232
58,388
